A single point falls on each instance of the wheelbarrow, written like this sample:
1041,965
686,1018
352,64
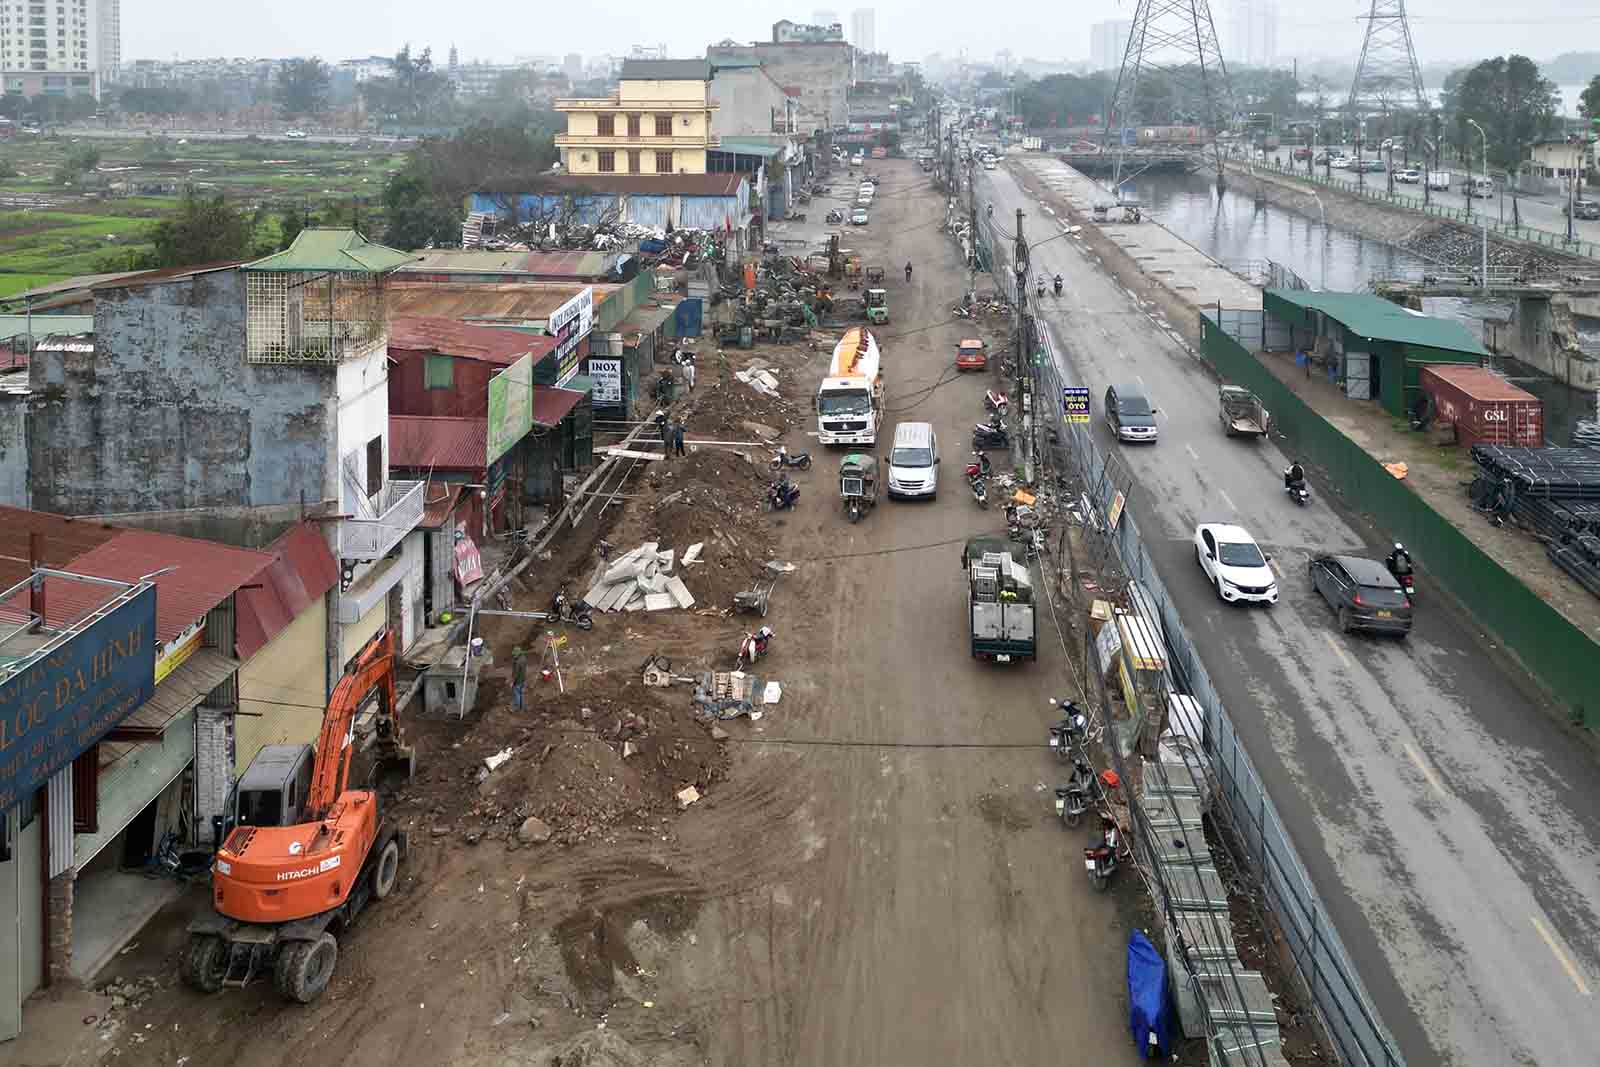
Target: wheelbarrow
757,599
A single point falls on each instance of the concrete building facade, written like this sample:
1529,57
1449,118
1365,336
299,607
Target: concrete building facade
817,73
55,47
658,121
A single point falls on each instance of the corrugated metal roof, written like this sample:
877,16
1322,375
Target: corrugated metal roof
1479,383
438,501
67,285
165,274
64,540
206,572
438,442
323,249
537,264
1374,317
550,406
186,686
665,70
448,300
741,147
570,264
302,570
451,337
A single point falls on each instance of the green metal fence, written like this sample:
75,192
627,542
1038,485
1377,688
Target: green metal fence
1562,656
1378,190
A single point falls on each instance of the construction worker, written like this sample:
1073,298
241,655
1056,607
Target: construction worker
686,360
519,676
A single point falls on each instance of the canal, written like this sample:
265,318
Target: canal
1233,229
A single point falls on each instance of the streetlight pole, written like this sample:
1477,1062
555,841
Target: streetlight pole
1324,240
1482,218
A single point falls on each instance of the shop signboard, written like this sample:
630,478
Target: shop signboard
510,408
606,374
570,324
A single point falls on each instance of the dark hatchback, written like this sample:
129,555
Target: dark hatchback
1362,593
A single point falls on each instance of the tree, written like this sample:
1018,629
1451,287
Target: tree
302,87
416,215
291,222
1510,100
1064,100
1589,101
79,161
154,101
203,229
415,93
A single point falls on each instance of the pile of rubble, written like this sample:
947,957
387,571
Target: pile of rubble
642,580
1456,245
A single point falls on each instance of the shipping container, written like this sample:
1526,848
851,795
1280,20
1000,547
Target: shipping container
1484,408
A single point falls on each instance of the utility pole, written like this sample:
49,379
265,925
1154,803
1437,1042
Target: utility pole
972,228
1023,318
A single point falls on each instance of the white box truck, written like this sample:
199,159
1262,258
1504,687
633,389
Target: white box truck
1439,179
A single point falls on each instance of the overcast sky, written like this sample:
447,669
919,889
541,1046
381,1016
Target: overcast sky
502,30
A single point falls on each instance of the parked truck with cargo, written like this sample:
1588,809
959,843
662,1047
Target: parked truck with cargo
1439,180
850,398
1000,607
1241,412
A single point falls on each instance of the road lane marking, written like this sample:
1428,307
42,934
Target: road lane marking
1560,955
1223,493
1427,772
1337,651
1192,453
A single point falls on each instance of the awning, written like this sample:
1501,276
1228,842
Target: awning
550,406
179,691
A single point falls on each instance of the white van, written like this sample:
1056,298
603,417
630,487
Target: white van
914,461
1479,187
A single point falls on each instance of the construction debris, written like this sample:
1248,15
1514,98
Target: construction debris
687,795
491,763
641,580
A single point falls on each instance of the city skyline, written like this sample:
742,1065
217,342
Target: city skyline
158,29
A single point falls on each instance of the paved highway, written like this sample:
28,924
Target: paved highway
122,133
1447,822
1542,212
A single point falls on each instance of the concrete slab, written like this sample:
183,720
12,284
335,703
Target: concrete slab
659,602
1160,253
679,592
692,553
109,907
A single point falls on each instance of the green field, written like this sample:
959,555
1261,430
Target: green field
50,230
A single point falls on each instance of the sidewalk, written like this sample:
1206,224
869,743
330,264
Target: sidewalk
1440,475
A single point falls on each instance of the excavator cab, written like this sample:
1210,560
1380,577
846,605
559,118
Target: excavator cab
273,789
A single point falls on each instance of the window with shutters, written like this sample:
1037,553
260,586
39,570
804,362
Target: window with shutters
607,162
663,162
633,125
439,372
607,124
663,125
635,166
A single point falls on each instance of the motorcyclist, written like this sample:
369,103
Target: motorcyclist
1040,286
1294,476
908,270
1399,561
1058,285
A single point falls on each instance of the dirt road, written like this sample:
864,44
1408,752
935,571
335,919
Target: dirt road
876,877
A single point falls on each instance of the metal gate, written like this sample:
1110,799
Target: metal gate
1358,375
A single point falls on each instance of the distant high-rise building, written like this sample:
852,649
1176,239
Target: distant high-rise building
455,59
73,54
823,16
1254,40
1108,41
863,34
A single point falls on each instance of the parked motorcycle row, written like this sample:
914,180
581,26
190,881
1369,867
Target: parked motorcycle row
1085,791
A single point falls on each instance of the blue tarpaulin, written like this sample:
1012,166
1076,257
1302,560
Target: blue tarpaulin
1147,997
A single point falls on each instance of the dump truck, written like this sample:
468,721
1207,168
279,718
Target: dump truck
1000,606
850,398
1241,412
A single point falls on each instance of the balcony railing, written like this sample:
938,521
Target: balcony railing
642,107
622,140
399,511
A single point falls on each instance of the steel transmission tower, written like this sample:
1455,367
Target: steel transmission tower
1172,73
1387,77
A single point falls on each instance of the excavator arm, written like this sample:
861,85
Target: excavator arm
372,669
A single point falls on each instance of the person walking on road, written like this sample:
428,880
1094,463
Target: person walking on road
686,360
519,676
677,439
665,429
908,272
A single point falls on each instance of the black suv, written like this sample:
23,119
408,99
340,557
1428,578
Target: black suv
1362,593
1129,414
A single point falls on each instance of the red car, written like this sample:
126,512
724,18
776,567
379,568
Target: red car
970,355
1302,153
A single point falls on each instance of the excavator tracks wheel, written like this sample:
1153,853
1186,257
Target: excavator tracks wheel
386,869
305,968
205,962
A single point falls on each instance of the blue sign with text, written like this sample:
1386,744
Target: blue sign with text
60,705
1075,403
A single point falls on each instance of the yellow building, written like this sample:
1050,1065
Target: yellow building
657,122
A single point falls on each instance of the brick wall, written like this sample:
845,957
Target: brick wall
58,900
213,766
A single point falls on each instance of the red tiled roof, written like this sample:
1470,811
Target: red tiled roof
437,441
302,570
448,337
206,572
550,406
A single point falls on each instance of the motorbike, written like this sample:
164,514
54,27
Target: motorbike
781,459
1039,288
1100,859
1297,490
1407,581
980,491
834,216
782,495
991,434
979,467
797,216
754,646
961,311
1058,285
802,197
563,609
1072,799
1072,729
996,403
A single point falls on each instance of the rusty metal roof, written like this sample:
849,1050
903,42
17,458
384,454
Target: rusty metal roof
451,337
302,570
439,499
573,265
206,572
440,442
519,301
63,540
164,275
550,406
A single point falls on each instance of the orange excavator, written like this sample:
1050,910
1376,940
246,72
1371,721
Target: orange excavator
303,854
